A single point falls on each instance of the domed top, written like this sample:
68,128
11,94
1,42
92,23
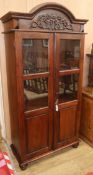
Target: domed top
46,17
57,7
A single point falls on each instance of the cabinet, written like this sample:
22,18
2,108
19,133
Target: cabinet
90,76
86,124
44,57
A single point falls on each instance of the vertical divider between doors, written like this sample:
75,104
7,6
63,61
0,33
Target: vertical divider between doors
56,71
51,88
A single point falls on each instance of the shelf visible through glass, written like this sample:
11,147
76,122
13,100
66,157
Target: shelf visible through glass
35,55
69,54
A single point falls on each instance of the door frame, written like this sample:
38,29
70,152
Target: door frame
19,35
76,104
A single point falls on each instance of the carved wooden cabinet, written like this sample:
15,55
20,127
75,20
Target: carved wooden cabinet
86,124
90,75
44,56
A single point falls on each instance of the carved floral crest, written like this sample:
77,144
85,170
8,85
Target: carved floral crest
51,22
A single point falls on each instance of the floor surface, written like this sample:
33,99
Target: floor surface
70,161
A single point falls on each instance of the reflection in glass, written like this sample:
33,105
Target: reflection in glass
69,54
35,93
35,55
68,87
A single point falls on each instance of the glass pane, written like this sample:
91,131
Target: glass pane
69,54
35,93
68,87
35,55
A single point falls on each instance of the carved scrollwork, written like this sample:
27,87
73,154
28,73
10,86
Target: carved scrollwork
51,22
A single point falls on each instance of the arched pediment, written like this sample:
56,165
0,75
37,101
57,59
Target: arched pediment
47,17
53,17
55,7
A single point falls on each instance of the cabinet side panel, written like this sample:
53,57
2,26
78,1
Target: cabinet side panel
12,87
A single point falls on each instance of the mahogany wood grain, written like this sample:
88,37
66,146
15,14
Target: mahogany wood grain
37,134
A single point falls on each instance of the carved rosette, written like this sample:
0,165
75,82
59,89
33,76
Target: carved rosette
51,22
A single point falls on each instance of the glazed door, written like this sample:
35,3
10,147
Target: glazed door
49,84
68,67
36,91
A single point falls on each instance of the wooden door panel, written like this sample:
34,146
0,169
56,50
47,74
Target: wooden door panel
37,133
67,123
85,119
86,125
65,126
